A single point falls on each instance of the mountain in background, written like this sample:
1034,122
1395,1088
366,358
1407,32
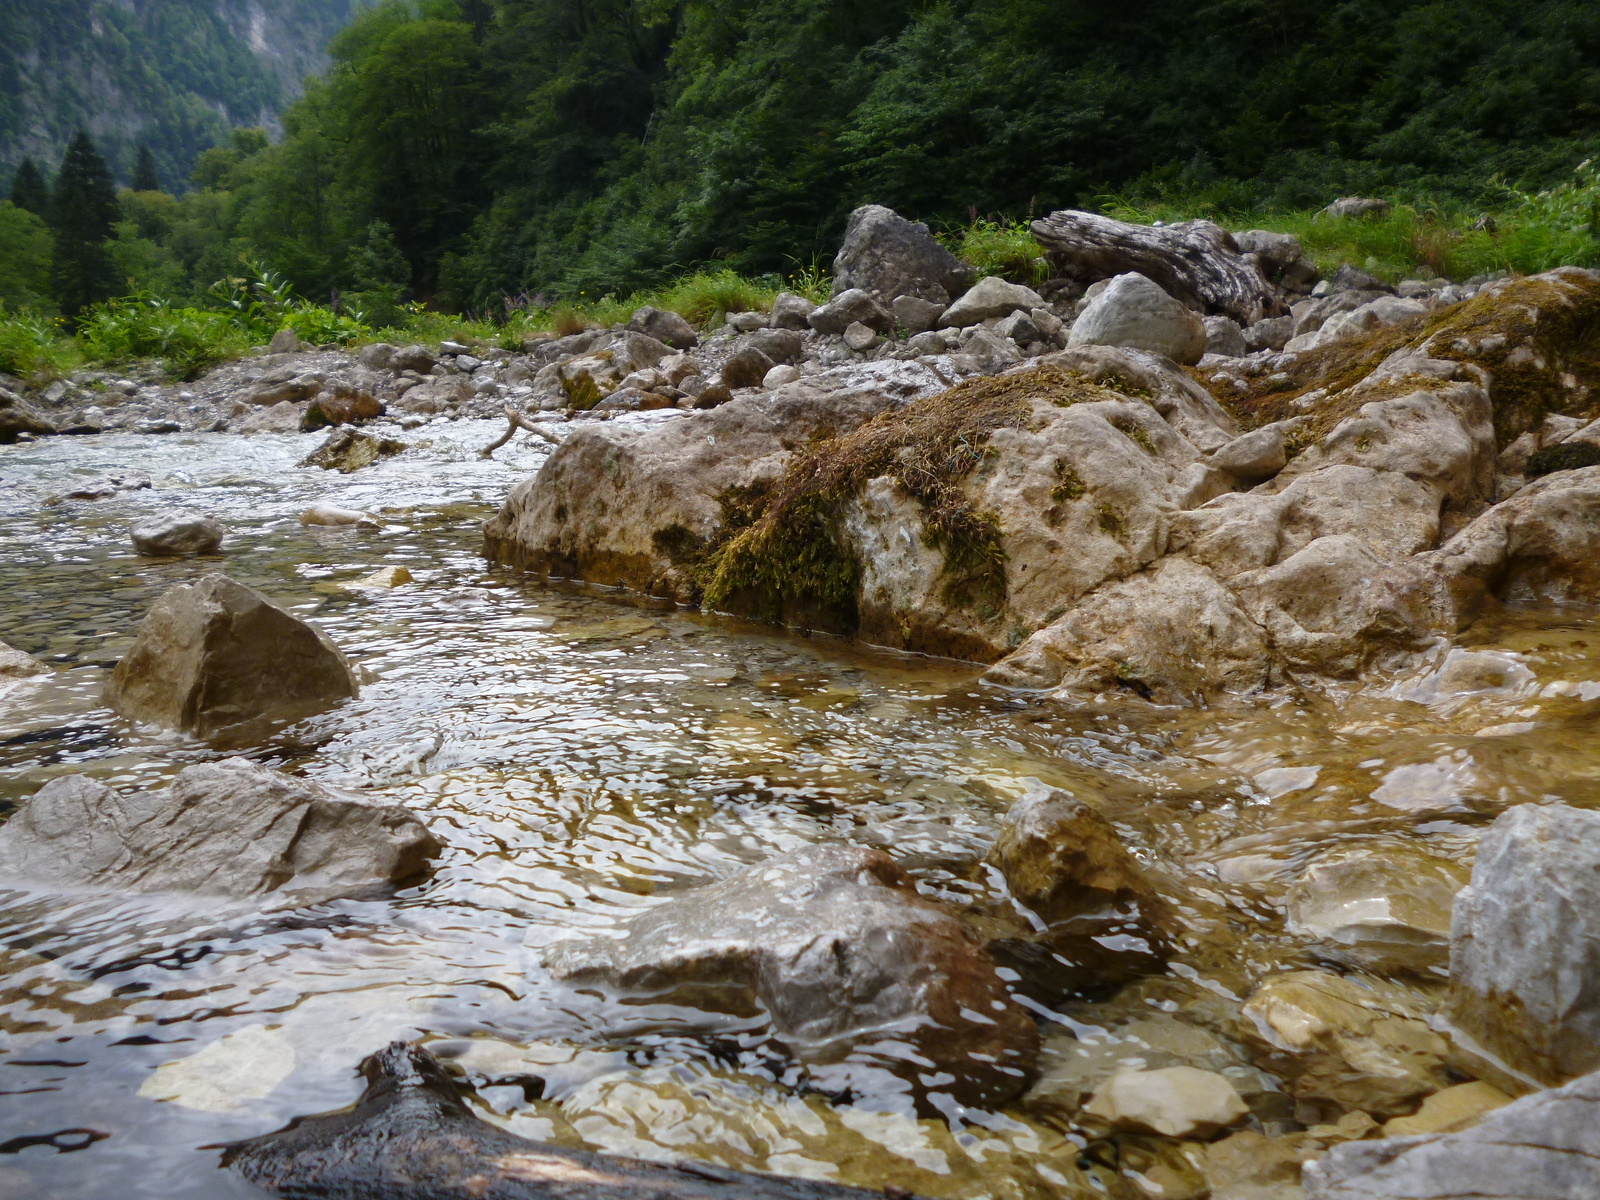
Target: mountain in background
175,75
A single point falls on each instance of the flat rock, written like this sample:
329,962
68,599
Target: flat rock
1454,1108
324,513
1525,943
104,486
228,828
889,256
1132,311
990,297
1179,1102
1252,457
178,533
849,307
347,450
215,654
861,977
1385,908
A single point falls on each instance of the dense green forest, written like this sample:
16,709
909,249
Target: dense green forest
467,152
173,75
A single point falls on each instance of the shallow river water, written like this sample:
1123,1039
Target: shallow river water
580,756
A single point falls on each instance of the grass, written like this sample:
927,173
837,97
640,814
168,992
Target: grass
1004,248
33,347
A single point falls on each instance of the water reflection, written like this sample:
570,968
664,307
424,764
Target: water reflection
581,758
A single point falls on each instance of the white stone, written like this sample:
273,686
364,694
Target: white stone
1132,311
1179,1102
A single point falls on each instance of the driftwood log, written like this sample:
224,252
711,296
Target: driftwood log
412,1137
1196,262
517,421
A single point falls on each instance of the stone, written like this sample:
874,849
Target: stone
1019,328
633,400
927,343
850,307
863,980
18,418
1525,943
178,533
1384,908
1348,1042
1252,457
102,487
324,513
1542,1147
916,315
1274,251
229,828
280,387
1273,333
285,341
713,394
1347,207
1179,1102
780,345
1459,1107
1385,310
1249,1166
412,358
990,297
1134,312
992,352
780,375
746,368
1223,336
379,356
747,322
889,256
14,664
860,337
384,577
1352,279
347,450
215,654
283,417
340,404
791,312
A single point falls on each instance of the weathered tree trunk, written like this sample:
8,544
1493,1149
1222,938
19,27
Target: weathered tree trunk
1196,262
411,1137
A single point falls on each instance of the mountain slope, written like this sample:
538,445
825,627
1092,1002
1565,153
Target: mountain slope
175,74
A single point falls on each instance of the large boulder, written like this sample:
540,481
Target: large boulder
849,307
991,297
178,533
228,828
1132,311
17,417
889,256
215,654
869,985
1525,943
1543,1147
666,327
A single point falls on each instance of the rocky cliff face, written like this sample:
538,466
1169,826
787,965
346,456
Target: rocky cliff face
174,75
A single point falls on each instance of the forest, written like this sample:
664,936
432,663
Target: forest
497,156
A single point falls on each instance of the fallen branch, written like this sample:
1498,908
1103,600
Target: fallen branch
1195,262
517,421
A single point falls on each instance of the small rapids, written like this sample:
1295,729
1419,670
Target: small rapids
578,755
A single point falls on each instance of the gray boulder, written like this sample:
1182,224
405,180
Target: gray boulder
1223,336
862,978
178,533
1353,279
1271,334
1543,1147
228,828
1525,942
1254,456
990,297
412,358
376,357
848,307
746,368
916,315
215,654
285,341
889,256
1020,328
17,417
860,337
790,311
1134,312
780,345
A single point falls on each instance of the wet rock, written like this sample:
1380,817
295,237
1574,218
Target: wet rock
1179,1102
1345,1042
989,297
1525,943
1459,1107
102,487
666,327
412,358
1223,336
1252,457
864,980
916,315
633,400
411,1136
17,417
14,664
1133,311
384,577
1543,1147
379,356
1385,908
860,337
331,514
178,533
889,256
848,308
341,404
228,828
285,341
348,450
746,368
791,312
215,654
1249,1166
284,417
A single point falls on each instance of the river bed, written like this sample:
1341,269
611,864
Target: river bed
580,755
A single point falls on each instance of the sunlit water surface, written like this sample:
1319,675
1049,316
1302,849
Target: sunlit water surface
579,756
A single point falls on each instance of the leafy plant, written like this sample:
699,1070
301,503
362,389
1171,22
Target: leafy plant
32,346
188,341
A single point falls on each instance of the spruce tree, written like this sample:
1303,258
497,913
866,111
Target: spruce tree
83,212
29,190
145,178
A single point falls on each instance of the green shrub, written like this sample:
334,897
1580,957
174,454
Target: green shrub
32,346
188,341
1004,248
321,326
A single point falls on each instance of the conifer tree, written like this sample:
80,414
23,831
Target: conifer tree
83,212
29,190
145,178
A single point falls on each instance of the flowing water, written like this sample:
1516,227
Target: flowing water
580,756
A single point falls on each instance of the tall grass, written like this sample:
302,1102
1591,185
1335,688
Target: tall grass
33,347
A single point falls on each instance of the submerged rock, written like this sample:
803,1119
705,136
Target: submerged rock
181,532
348,450
103,486
215,654
1543,1147
1178,1102
864,981
411,1136
1385,908
229,828
1525,943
